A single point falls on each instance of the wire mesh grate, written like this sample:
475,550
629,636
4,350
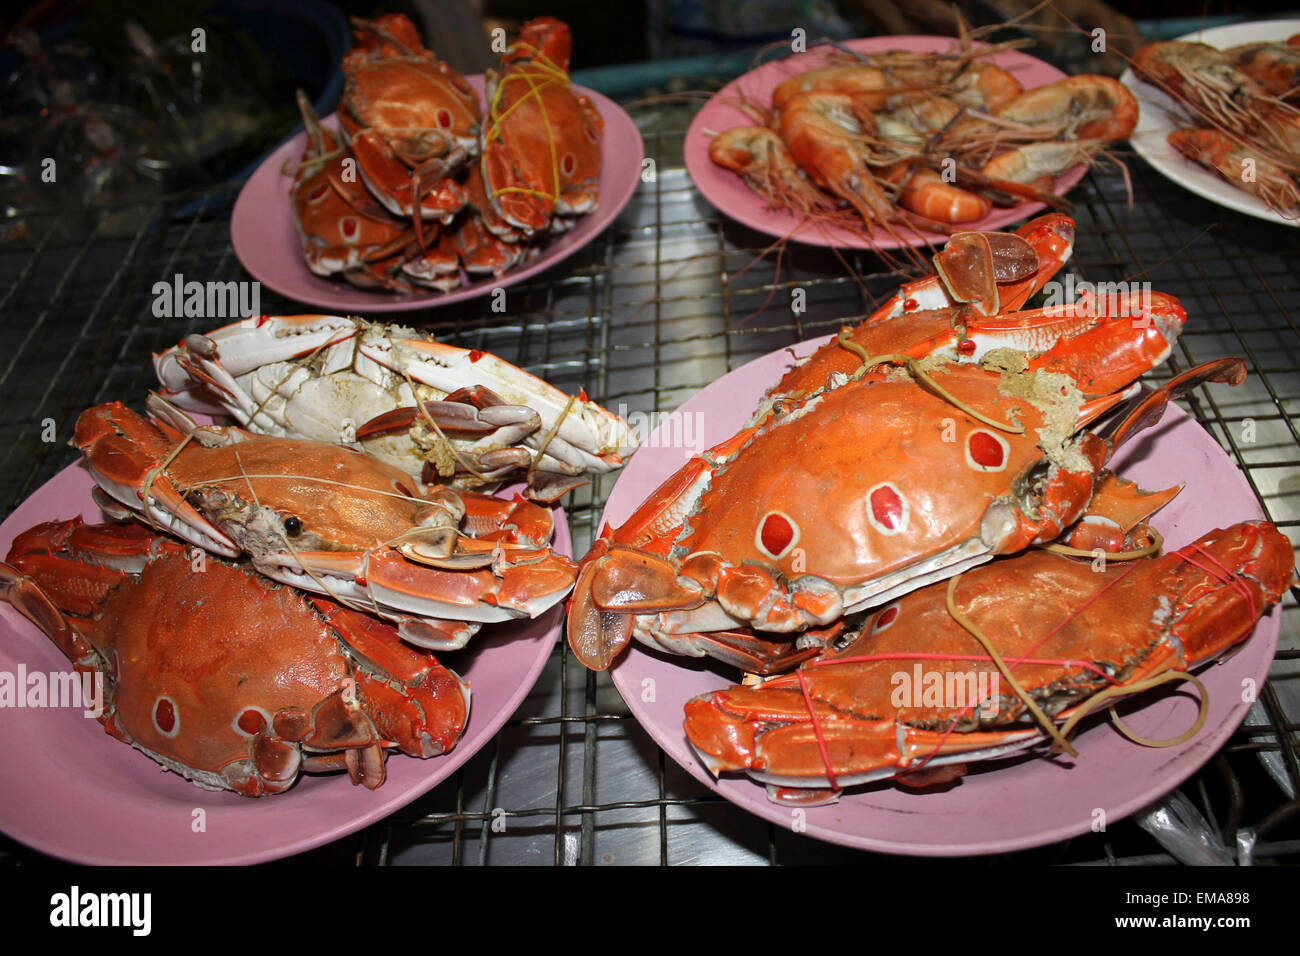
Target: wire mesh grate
662,304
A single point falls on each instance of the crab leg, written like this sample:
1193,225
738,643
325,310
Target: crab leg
582,425
129,451
1101,349
476,411
438,602
394,678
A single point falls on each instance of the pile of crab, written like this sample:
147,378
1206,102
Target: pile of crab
918,492
420,186
267,603
925,139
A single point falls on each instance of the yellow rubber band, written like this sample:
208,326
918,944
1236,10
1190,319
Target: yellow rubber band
1111,693
545,74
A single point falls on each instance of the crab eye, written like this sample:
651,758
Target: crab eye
293,526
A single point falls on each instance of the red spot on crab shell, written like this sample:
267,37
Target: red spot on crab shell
886,618
251,721
582,396
966,347
888,509
910,305
349,228
776,534
568,164
985,450
164,716
444,118
475,355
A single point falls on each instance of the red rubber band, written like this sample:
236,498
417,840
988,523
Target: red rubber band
1233,578
817,731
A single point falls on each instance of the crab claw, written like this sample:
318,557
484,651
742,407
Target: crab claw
965,274
596,637
1118,506
972,273
1105,351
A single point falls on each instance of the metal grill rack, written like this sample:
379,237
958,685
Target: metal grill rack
663,303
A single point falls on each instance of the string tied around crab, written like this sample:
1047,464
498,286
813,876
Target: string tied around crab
923,378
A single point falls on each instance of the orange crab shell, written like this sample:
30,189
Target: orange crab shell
343,231
778,530
420,106
290,474
332,520
411,120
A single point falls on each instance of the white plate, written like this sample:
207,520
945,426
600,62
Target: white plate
1159,110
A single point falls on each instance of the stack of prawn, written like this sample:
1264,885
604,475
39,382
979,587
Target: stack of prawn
926,139
1244,101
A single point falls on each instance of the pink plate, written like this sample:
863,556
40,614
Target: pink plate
77,793
728,192
265,236
1001,806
